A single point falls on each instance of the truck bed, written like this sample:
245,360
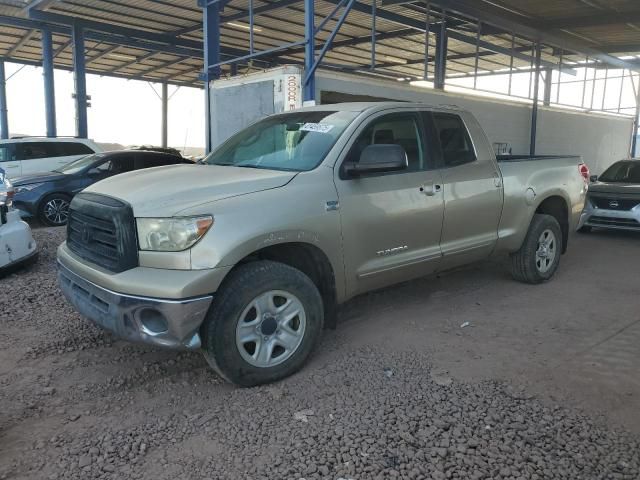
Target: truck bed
526,158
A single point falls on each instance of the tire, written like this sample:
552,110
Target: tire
53,210
251,305
535,263
585,229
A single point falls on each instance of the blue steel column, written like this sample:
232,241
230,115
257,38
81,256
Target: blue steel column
442,42
211,29
4,118
49,85
309,88
80,80
534,110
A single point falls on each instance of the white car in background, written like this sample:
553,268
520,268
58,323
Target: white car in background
17,246
25,155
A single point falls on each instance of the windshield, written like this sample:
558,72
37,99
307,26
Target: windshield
627,171
293,141
80,164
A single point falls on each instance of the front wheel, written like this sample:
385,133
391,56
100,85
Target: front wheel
539,256
263,324
54,210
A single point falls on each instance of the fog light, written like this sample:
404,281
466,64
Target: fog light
153,321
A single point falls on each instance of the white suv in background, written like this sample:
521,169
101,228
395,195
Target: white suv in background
24,155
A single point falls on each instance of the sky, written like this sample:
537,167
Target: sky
127,112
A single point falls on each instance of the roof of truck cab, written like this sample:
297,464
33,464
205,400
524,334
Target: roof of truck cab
363,106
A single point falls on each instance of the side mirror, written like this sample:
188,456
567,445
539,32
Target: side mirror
593,178
380,158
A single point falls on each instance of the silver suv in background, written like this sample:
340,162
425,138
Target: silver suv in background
26,155
613,201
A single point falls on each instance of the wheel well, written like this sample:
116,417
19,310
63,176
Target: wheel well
557,207
50,194
311,261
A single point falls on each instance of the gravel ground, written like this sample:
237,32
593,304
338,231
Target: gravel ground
75,403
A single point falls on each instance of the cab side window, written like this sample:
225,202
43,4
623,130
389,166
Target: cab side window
394,129
455,142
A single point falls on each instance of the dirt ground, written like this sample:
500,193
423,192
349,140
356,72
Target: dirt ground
467,375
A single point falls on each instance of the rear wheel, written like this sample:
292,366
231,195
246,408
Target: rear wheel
263,324
54,210
539,257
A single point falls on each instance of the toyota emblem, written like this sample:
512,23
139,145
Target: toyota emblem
614,204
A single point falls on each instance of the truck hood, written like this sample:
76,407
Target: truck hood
165,191
615,188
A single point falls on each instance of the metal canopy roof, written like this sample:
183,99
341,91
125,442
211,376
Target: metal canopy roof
161,40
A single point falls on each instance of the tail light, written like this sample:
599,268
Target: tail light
584,171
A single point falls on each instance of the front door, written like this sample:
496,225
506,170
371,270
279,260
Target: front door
391,223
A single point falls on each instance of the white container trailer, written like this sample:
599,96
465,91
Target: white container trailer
239,101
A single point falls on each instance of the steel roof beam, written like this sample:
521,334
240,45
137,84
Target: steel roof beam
516,23
597,20
621,48
105,37
161,38
102,54
38,4
195,84
419,25
21,43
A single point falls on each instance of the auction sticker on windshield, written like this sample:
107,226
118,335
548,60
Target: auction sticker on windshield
316,127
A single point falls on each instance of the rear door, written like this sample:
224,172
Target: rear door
391,222
472,190
8,160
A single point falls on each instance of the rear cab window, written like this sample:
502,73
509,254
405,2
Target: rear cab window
453,138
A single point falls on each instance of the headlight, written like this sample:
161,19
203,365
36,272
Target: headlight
27,188
6,192
171,234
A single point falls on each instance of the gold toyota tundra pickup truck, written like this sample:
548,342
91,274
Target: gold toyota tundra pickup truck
247,255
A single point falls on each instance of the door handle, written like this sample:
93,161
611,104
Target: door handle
497,180
430,190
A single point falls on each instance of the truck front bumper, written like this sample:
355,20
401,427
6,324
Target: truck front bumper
161,322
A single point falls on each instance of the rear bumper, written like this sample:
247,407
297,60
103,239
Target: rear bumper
161,322
612,219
